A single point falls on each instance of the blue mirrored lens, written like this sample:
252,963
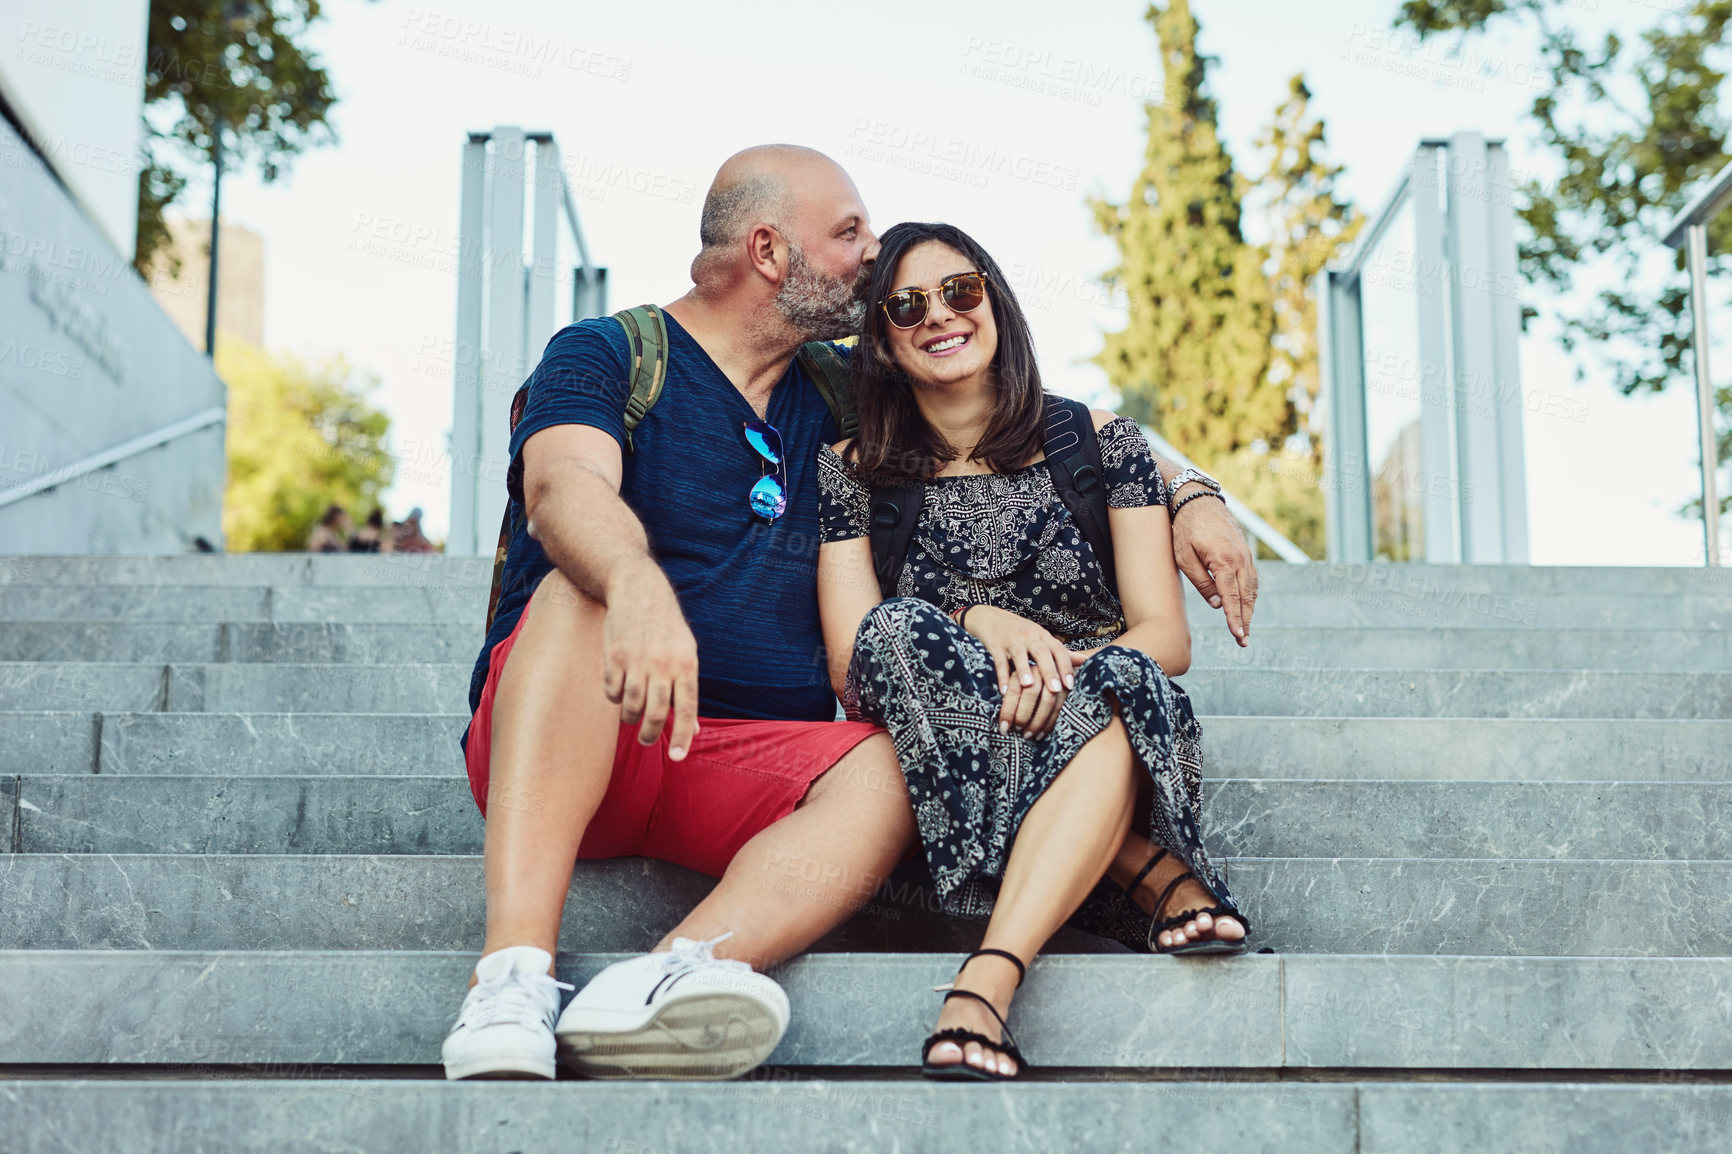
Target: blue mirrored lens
765,440
768,497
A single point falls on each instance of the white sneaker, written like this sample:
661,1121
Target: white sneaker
505,1028
681,1014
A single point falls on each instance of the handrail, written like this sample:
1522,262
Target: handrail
1689,230
544,139
1259,528
1703,207
130,448
1350,263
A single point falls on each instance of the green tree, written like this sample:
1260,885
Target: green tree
1220,351
238,60
300,438
1191,360
1632,127
1307,221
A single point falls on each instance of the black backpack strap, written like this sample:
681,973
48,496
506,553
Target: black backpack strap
1073,456
895,512
829,373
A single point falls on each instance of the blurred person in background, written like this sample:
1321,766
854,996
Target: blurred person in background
331,534
371,537
407,536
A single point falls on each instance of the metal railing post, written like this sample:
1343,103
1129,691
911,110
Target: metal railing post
1689,230
1696,258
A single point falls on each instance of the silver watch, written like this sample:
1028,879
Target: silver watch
1184,477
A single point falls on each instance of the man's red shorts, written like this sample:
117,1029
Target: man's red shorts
737,778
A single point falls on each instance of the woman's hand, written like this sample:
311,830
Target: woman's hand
1034,668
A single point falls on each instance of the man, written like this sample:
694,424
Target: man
653,682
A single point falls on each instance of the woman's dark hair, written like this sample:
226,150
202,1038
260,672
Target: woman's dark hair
895,444
332,514
376,519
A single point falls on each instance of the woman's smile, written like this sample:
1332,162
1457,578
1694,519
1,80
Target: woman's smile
945,344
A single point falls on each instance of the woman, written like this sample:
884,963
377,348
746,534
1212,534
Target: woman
370,537
1006,657
331,534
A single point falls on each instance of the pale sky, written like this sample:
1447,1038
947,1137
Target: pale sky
647,101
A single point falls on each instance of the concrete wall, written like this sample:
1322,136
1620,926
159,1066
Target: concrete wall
87,361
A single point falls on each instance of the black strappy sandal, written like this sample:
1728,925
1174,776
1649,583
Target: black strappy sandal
1161,925
961,1071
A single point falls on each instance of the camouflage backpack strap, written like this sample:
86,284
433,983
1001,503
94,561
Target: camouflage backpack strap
519,402
829,372
647,333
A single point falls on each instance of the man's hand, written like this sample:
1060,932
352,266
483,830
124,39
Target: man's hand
650,658
1211,551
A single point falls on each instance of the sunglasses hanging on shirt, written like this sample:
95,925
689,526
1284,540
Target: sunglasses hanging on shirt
769,497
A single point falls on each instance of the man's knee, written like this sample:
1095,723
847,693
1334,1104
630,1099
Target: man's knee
557,598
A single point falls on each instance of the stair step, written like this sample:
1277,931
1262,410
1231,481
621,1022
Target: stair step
444,688
1274,647
1517,907
268,642
779,1111
1264,818
1505,749
867,1010
231,743
435,603
1412,580
255,569
1510,749
1372,647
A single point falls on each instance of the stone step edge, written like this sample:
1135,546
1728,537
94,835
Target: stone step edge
1222,718
337,779
372,668
1267,1011
1380,862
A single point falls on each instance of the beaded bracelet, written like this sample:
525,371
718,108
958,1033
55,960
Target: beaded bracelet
1183,501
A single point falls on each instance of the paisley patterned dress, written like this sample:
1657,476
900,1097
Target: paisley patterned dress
1007,540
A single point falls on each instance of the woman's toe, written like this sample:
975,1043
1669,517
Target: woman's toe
1229,929
1204,923
975,1056
945,1054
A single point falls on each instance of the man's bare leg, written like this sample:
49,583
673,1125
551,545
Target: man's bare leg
848,833
554,736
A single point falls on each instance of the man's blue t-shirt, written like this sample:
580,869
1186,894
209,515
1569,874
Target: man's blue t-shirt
748,587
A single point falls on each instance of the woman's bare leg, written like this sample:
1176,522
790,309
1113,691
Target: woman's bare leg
1066,842
1190,894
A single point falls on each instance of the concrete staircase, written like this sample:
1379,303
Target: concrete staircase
1482,816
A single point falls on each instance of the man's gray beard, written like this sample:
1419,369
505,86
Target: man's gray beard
821,308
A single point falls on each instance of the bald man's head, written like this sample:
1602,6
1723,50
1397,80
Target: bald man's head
786,220
756,187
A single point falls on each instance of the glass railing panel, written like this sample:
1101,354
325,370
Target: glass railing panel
1389,292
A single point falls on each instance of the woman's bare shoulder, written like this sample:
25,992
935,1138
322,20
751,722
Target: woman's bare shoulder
1102,418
